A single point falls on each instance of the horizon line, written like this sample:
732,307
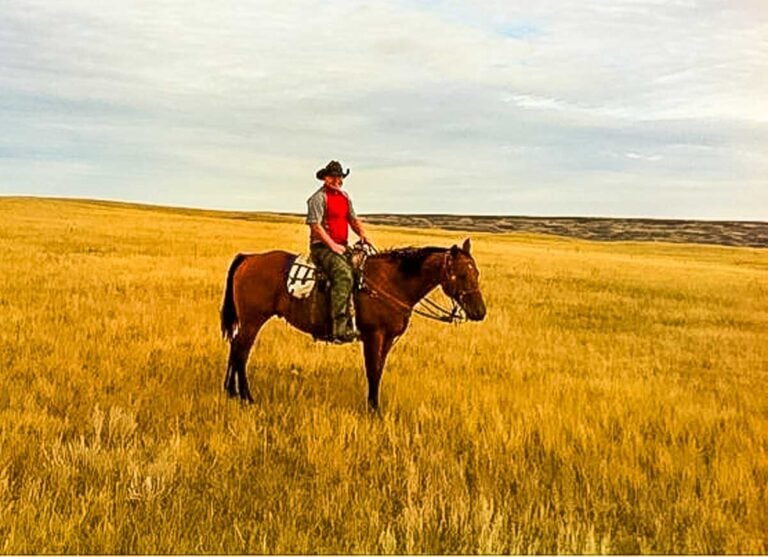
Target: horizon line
374,214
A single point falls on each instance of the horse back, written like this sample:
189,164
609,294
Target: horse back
260,291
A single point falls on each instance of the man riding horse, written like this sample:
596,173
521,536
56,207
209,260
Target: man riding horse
394,282
330,214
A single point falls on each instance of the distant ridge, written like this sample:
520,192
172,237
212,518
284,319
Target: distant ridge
725,233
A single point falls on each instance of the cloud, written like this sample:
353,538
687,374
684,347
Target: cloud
660,107
640,156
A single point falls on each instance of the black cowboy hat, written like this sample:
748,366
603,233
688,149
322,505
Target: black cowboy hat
333,168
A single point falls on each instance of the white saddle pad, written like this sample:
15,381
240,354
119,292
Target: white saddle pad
301,277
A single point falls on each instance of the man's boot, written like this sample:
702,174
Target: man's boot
343,332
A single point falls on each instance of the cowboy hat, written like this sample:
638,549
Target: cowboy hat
333,168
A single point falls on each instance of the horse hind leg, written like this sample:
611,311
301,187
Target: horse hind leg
230,384
236,382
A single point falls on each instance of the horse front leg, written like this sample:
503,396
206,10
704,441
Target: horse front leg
376,346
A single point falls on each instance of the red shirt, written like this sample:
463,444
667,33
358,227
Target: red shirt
333,210
336,215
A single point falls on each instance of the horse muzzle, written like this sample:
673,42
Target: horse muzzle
474,308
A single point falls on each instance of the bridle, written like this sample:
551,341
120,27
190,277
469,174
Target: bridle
429,308
450,277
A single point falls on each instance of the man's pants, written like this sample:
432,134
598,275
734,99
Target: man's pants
340,272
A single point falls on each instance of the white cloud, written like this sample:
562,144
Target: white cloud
640,156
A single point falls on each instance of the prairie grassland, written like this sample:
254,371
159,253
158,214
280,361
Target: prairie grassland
614,400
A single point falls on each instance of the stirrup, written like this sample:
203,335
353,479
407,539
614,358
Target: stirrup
346,338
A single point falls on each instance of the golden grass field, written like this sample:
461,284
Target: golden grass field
614,400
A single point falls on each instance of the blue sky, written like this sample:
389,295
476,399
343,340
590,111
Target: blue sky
598,107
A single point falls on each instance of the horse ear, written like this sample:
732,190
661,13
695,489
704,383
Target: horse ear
467,245
454,250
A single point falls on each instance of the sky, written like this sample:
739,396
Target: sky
627,108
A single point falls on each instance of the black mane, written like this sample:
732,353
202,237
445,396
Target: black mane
410,259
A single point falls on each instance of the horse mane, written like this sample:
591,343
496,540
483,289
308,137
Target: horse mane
410,259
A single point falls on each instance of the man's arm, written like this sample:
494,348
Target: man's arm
357,226
327,240
355,223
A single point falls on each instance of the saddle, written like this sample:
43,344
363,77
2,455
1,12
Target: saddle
303,276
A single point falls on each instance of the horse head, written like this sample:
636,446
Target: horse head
461,281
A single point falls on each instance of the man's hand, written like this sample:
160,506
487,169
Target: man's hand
337,248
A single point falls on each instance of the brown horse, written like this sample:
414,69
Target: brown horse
395,281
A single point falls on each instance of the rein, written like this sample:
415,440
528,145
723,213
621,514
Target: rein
429,308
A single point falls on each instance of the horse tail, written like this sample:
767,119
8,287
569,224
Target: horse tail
229,322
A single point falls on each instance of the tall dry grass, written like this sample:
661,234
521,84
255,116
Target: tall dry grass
614,400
